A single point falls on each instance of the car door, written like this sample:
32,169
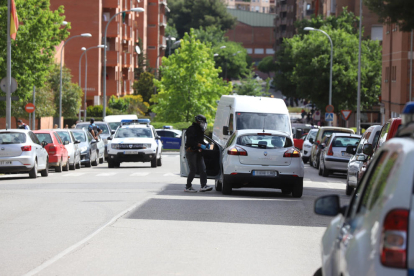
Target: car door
76,149
212,159
40,151
92,145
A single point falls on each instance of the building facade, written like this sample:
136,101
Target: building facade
261,6
284,21
123,35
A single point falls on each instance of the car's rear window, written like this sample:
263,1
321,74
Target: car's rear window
64,136
345,141
12,138
133,133
329,132
44,137
264,141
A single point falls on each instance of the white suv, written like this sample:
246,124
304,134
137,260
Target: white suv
307,145
134,143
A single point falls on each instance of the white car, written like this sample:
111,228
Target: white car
253,158
21,151
374,235
307,145
134,143
71,144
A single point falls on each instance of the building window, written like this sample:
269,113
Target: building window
376,33
387,74
249,50
106,16
270,51
264,9
394,74
259,51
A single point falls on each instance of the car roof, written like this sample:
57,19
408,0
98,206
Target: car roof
256,131
88,123
43,131
346,135
14,130
137,126
374,128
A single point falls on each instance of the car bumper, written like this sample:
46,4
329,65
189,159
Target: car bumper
84,158
18,164
336,164
140,157
280,181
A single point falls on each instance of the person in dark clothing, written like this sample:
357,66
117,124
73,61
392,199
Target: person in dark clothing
194,146
22,125
94,129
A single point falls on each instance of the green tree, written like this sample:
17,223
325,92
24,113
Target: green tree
212,34
45,99
231,59
33,50
266,65
252,87
303,68
144,86
187,14
394,11
190,83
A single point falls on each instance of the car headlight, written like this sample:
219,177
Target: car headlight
83,149
146,146
115,146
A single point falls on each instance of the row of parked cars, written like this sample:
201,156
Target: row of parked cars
374,233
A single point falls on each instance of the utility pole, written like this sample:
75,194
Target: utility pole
34,112
411,65
359,71
8,77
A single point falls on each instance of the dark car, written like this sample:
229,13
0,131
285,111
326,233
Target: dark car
88,147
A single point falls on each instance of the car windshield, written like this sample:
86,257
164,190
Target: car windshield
341,142
264,141
79,136
64,136
133,133
267,121
114,125
44,137
12,138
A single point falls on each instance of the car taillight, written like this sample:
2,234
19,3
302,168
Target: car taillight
292,153
237,151
394,239
26,148
52,149
330,152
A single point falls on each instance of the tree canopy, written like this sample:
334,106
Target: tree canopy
190,84
252,87
231,59
303,67
266,65
187,14
394,11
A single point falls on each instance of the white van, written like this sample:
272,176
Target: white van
237,112
114,121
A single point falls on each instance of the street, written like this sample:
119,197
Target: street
136,220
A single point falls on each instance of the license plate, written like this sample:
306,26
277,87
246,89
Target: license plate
264,173
5,162
345,154
131,152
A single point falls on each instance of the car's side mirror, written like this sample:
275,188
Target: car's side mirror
109,138
77,142
44,143
66,143
112,131
328,206
225,130
311,140
351,149
368,149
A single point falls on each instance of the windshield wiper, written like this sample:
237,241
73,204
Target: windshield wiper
259,145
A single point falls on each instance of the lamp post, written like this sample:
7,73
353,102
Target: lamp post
169,44
60,89
225,63
80,79
330,78
104,65
359,71
86,75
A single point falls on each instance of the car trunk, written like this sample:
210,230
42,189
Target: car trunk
340,152
267,157
10,150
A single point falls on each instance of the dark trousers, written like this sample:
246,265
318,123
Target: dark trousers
195,160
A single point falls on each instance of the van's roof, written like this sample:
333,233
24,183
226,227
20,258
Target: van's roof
244,103
118,118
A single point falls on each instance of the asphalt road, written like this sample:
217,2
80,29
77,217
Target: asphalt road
136,220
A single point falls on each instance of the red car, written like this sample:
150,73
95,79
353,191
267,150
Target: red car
299,142
58,154
388,131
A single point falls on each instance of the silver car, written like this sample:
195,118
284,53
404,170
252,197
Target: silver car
71,144
334,157
103,142
22,152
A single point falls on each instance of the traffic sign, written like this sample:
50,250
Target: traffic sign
13,98
29,108
329,108
329,117
317,116
3,85
346,114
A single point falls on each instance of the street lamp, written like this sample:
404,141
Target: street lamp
225,63
105,42
215,55
169,44
61,58
330,78
359,71
86,76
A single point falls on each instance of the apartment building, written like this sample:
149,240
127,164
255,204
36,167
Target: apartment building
123,34
304,9
261,6
284,21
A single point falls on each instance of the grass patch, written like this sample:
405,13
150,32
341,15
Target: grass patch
295,109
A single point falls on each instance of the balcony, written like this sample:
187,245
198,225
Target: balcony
113,30
110,4
126,60
163,21
112,58
126,33
163,42
163,2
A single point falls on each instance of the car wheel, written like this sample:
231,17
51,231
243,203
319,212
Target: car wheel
154,162
317,162
59,167
305,160
218,185
159,162
45,172
297,190
72,167
88,163
66,167
349,189
286,191
320,169
101,160
33,171
95,162
117,165
318,272
79,165
226,187
111,164
325,172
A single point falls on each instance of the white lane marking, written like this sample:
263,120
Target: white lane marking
85,240
170,174
140,174
74,174
106,174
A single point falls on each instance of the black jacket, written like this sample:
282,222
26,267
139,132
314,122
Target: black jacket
195,136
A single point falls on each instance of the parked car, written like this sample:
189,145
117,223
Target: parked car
22,152
374,235
358,162
71,144
87,146
253,158
324,131
107,131
135,143
170,138
333,157
320,148
58,154
307,145
114,121
388,131
298,142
